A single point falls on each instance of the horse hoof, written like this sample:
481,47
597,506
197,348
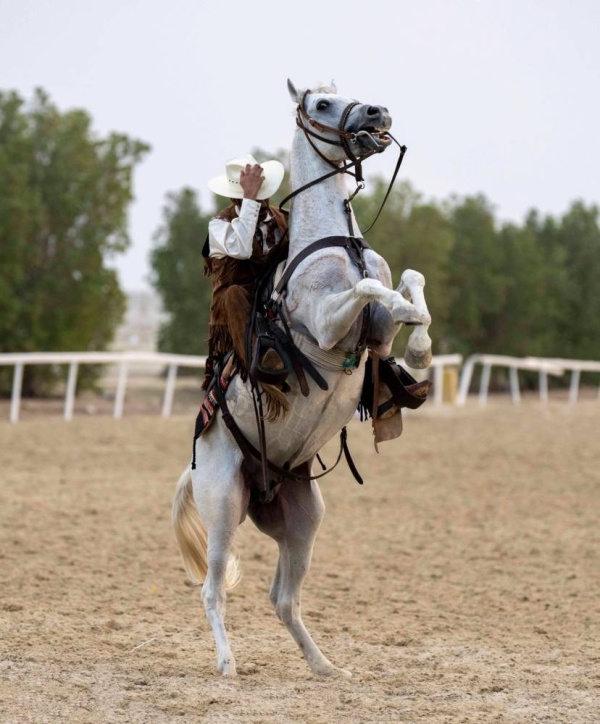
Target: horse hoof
227,667
416,359
340,673
333,672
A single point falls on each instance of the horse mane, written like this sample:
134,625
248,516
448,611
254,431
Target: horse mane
321,88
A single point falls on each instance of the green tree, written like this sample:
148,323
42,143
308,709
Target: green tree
476,275
64,194
534,306
177,275
578,237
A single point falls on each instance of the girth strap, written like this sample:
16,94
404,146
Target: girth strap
250,453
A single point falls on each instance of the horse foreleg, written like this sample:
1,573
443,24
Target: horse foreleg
222,500
336,313
418,348
384,328
292,520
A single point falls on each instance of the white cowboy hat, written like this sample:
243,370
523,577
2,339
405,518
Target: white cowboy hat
228,184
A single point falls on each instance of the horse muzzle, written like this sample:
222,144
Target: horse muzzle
369,126
370,141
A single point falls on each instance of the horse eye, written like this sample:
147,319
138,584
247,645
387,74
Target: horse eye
322,105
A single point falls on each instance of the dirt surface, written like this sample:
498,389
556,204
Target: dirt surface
459,584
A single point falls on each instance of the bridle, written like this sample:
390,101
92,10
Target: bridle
346,138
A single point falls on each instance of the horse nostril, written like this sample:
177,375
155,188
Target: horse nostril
373,111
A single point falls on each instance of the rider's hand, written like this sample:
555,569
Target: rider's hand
251,180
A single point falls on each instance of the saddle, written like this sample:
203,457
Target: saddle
269,343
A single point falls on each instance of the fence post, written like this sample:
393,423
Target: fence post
485,383
121,385
574,388
169,390
71,386
15,402
465,380
438,384
543,386
515,392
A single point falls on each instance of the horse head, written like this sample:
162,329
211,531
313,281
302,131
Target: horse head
340,128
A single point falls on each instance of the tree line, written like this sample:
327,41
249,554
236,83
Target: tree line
520,289
492,287
64,195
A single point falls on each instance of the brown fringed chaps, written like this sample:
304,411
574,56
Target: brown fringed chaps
233,282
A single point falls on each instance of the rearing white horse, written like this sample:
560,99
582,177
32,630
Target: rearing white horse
325,298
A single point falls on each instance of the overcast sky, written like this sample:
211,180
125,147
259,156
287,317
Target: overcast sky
493,96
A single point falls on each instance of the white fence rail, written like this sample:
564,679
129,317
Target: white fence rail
124,361
543,366
172,362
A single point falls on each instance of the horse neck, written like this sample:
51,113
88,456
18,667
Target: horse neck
318,211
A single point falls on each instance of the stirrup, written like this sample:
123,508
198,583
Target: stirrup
406,391
268,374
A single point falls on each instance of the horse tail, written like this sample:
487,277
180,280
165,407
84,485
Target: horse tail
191,536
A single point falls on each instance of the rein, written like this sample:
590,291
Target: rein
251,454
345,138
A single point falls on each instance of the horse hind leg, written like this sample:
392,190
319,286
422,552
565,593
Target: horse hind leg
292,519
214,597
204,531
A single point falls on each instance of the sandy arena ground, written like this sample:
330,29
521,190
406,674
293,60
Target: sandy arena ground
459,584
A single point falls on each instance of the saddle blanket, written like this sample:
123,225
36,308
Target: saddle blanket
210,403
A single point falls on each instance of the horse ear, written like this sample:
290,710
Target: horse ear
333,86
293,91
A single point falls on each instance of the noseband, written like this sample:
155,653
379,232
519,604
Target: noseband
345,136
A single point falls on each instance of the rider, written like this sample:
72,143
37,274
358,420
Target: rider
241,238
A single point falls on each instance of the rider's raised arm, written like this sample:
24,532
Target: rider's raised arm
234,238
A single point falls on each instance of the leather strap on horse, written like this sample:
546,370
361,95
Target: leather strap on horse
350,243
385,198
338,169
345,137
251,454
375,372
340,130
300,361
355,247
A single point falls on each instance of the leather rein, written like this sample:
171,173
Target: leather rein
303,120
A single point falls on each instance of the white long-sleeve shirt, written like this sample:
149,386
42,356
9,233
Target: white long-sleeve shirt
234,238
